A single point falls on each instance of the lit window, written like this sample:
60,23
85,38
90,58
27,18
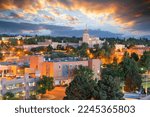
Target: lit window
32,84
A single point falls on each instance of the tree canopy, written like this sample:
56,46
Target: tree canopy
131,73
108,89
45,83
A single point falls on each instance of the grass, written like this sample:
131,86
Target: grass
144,84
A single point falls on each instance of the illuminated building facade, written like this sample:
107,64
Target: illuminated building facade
21,82
62,69
22,87
91,41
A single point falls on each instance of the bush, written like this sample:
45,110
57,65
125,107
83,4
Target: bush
148,90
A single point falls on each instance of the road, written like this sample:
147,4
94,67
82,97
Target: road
146,98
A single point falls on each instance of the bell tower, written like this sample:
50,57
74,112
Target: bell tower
86,36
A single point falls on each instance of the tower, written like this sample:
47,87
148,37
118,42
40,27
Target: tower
86,36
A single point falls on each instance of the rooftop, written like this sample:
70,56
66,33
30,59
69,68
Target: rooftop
65,59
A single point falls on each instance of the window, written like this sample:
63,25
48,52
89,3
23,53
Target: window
31,84
59,66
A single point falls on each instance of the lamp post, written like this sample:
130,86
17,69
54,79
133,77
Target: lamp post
146,78
146,86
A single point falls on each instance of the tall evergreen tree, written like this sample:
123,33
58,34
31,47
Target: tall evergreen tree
145,60
82,86
108,89
45,83
131,73
83,71
134,56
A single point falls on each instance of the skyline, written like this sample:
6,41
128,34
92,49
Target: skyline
68,17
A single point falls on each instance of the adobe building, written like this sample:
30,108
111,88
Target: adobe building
62,69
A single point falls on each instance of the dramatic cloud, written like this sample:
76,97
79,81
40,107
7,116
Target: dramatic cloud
128,13
131,15
49,17
29,6
16,15
71,19
54,12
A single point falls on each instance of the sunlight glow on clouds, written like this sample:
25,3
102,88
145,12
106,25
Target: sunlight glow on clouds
120,16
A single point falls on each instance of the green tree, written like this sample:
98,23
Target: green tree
49,49
135,56
131,73
115,70
1,56
83,71
106,51
45,83
39,49
148,90
9,96
96,51
82,86
82,50
145,60
108,89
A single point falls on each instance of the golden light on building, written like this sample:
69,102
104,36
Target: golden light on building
91,56
18,42
41,52
18,52
88,51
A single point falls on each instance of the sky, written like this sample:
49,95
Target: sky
110,18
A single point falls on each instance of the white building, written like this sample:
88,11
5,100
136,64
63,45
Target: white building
91,41
139,46
22,87
119,47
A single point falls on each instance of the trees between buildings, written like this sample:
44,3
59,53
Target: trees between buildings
9,96
108,89
83,87
132,77
44,84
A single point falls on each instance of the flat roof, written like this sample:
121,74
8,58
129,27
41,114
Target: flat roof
66,59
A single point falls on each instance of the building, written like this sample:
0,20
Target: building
119,47
47,43
22,87
91,41
61,69
139,46
139,50
56,44
20,81
5,39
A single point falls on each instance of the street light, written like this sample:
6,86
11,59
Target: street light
146,76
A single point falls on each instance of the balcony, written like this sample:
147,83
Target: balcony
16,90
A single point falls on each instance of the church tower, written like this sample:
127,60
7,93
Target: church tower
86,36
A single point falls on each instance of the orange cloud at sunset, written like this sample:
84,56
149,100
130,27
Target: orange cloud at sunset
129,14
